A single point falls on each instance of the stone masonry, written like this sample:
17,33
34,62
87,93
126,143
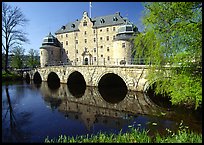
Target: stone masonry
133,76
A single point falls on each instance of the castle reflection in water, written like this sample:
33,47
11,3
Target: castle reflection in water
96,107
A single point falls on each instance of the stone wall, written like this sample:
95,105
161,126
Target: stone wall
133,76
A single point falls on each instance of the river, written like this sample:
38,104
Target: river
31,112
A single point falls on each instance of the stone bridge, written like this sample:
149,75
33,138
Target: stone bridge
134,77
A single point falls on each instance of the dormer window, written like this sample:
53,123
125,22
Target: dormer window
73,26
84,23
102,20
115,18
63,27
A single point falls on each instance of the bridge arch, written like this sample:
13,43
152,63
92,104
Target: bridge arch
53,80
148,83
76,84
110,79
108,74
160,100
37,78
27,77
112,88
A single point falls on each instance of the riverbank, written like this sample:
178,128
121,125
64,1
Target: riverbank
11,76
134,136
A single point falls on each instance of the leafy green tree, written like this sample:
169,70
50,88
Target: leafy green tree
33,58
17,60
173,39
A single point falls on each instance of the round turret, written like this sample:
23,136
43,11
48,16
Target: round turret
122,45
50,51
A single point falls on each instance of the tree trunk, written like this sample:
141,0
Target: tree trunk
6,61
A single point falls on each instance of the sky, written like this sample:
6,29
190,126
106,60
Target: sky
45,17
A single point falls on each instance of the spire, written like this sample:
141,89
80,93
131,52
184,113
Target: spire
90,6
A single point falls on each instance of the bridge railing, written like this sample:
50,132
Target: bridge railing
103,62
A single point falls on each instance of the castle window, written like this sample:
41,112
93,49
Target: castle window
76,41
114,37
84,23
102,21
94,58
94,49
113,28
101,38
76,34
94,31
108,49
101,46
77,51
108,57
115,18
73,26
41,52
62,44
63,27
94,39
100,30
123,45
85,40
67,59
67,51
85,33
77,59
66,35
50,40
101,55
66,42
107,29
107,38
61,36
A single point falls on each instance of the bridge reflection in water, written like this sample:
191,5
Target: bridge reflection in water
93,107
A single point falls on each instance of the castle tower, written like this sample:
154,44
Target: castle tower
50,51
122,45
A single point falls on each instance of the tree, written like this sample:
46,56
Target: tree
3,60
12,35
17,60
173,38
33,58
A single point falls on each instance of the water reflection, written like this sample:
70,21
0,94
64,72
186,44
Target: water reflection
76,90
111,108
113,95
13,121
92,107
53,86
40,111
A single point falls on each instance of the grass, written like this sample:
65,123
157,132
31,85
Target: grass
134,136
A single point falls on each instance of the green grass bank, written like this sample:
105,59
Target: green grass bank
134,136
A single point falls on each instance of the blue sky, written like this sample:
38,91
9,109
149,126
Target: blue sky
45,17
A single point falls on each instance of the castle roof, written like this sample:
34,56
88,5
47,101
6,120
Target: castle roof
102,21
50,40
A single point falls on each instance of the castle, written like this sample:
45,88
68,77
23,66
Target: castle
104,40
